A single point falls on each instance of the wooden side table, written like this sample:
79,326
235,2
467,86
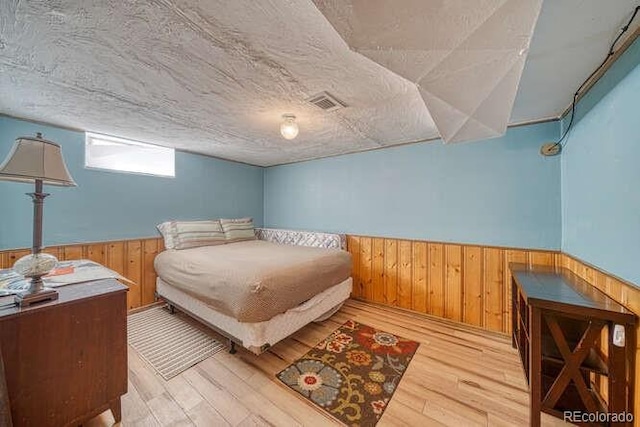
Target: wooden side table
65,361
558,320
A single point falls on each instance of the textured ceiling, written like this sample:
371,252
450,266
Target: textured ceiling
466,58
201,77
215,77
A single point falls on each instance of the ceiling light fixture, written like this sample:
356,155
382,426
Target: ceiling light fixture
289,127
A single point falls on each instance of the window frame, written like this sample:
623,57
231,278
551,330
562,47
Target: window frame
90,136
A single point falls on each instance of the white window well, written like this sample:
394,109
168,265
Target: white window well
122,155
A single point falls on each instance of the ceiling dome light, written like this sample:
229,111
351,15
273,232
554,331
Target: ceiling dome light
289,128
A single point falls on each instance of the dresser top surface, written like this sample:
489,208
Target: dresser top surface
66,294
543,285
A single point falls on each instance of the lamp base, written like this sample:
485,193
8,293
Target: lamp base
26,298
34,266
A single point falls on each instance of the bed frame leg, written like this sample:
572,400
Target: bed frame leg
172,309
232,347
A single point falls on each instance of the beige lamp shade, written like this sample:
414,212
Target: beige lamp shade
36,158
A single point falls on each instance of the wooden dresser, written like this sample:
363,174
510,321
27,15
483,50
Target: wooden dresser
66,361
564,328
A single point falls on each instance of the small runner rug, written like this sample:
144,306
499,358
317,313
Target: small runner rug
168,342
353,373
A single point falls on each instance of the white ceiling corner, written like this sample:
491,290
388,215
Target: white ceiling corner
571,39
466,58
214,76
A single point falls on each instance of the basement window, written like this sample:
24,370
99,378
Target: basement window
123,155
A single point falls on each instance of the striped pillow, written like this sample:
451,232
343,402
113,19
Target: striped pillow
238,229
191,234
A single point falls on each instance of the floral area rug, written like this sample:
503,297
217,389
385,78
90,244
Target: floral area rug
353,373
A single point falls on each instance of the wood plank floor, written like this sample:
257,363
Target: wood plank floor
460,376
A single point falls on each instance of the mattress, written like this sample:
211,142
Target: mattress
253,281
260,335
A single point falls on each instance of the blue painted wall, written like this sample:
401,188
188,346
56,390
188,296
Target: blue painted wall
601,173
109,206
494,192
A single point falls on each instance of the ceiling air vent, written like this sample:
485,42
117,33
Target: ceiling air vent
326,101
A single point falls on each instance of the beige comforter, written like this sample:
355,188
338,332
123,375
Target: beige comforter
254,280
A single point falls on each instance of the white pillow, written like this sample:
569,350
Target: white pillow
191,234
239,229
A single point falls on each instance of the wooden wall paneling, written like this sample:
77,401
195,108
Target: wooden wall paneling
557,259
541,258
510,255
590,275
391,272
436,279
625,293
564,262
133,271
601,282
150,249
132,258
453,282
405,274
13,256
579,268
377,270
96,252
366,261
419,262
54,250
72,252
493,289
613,288
460,282
4,259
115,257
473,286
353,246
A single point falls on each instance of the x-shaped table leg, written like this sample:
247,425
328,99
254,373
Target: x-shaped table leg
573,360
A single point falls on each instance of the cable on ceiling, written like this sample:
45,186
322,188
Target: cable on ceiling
558,145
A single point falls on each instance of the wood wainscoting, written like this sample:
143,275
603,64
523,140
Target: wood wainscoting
131,258
465,283
623,292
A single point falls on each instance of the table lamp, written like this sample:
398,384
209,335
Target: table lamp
38,161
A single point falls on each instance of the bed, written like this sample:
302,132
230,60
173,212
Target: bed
258,292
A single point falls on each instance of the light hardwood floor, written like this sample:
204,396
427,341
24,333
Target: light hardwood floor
460,376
